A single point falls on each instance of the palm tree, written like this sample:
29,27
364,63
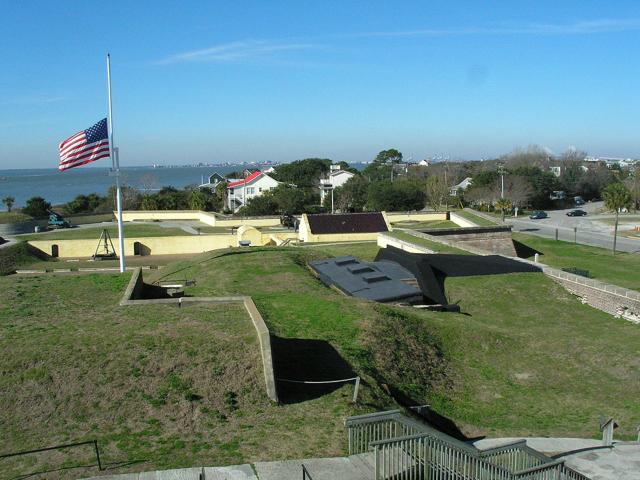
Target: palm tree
616,197
8,201
503,205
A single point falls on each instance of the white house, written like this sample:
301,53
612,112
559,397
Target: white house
462,186
213,181
336,178
240,191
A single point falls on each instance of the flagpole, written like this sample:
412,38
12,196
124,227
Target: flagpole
115,164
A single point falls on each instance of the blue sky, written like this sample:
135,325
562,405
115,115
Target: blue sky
275,80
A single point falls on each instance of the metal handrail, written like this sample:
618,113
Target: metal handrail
305,473
59,447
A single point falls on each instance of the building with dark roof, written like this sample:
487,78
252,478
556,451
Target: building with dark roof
342,227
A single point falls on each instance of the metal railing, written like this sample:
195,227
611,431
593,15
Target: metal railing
405,449
305,473
59,447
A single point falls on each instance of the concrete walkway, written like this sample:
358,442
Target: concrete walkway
233,472
355,467
542,444
620,462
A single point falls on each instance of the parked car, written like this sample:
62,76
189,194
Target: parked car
538,214
576,213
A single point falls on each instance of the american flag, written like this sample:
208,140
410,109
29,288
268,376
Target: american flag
84,147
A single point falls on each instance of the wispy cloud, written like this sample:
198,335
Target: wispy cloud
588,27
242,51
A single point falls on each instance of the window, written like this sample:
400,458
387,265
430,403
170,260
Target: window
231,191
259,189
251,190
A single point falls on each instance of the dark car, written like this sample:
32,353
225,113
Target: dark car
576,213
538,214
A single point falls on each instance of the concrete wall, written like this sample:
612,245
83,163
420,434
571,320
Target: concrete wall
461,221
250,221
478,240
132,295
394,217
207,218
385,241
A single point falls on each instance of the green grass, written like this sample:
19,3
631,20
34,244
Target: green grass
12,217
478,220
512,363
435,246
156,385
424,225
600,263
130,230
523,358
19,256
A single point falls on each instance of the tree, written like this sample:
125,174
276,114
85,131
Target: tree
350,197
437,191
396,196
149,202
303,173
84,204
37,207
503,205
633,184
388,156
197,200
518,190
382,166
9,201
616,197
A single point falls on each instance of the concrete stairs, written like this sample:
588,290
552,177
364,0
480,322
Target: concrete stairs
355,467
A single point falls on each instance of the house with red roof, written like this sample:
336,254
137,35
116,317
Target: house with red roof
240,191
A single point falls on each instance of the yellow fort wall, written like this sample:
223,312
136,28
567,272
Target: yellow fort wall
210,219
394,217
149,245
172,245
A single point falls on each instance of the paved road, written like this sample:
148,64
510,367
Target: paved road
584,230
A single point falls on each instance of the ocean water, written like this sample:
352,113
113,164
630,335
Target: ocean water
60,187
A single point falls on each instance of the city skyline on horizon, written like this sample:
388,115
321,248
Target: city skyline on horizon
284,81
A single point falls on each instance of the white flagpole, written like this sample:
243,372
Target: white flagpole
115,163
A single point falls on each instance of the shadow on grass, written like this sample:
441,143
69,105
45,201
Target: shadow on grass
524,251
307,360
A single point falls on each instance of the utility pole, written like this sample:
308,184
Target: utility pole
501,172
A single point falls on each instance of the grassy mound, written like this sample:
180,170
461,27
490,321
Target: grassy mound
20,254
523,357
158,387
620,269
171,387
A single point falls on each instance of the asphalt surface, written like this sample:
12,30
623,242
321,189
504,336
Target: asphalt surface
585,230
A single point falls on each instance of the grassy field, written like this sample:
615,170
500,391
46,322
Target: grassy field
509,364
170,387
12,217
423,225
159,387
477,219
620,269
435,246
130,230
